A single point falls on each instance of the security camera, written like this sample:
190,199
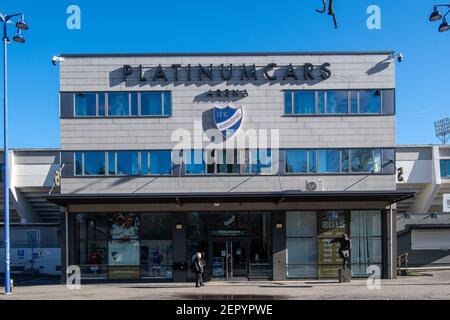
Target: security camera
57,59
400,57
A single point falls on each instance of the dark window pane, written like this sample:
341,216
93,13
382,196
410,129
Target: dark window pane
94,163
78,163
362,160
134,104
370,101
118,104
305,102
312,161
160,162
167,104
353,102
329,161
388,101
321,102
227,161
389,161
151,103
127,163
337,102
145,169
288,102
101,104
194,162
296,161
85,104
445,168
345,165
111,163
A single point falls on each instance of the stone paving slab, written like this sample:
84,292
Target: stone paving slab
432,286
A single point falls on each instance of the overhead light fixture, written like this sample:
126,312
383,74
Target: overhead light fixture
444,26
435,15
21,23
19,37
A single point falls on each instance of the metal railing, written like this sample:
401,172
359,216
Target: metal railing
402,265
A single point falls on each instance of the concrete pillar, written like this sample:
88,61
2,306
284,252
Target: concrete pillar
390,243
279,245
64,244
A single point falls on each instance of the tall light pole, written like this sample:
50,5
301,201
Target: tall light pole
20,25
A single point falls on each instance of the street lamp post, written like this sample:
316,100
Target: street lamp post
20,25
436,16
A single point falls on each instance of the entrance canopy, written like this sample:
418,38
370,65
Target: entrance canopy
201,197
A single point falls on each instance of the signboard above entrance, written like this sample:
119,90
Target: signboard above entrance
229,72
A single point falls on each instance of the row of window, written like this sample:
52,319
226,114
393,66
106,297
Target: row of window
263,161
301,102
122,104
296,102
445,168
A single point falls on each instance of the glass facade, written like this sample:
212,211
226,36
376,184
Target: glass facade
123,104
252,162
124,245
309,253
235,244
338,102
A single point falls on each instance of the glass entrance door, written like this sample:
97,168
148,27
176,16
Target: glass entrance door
228,259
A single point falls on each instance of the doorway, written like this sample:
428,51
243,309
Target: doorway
229,259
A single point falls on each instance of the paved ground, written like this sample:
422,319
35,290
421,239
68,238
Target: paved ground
435,285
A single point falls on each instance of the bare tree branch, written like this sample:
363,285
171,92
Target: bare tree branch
330,11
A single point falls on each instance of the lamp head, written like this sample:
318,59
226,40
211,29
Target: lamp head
444,26
435,15
19,37
21,24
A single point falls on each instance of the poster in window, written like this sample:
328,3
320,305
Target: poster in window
123,253
124,226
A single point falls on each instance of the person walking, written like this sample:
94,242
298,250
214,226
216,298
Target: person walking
198,269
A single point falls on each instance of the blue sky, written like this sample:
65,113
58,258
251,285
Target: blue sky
199,25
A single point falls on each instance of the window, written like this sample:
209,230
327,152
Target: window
329,161
118,104
261,161
160,162
336,102
127,163
85,104
370,101
365,229
2,172
304,102
89,163
362,160
194,162
227,161
300,161
445,168
301,244
155,103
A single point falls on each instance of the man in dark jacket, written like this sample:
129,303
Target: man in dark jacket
198,268
344,249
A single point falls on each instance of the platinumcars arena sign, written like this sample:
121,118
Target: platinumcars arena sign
228,72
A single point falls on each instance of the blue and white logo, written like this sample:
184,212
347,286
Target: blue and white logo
228,120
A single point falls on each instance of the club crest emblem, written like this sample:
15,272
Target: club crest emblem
228,120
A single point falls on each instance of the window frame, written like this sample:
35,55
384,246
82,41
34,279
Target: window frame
325,93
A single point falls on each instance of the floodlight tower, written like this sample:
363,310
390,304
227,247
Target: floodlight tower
442,129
